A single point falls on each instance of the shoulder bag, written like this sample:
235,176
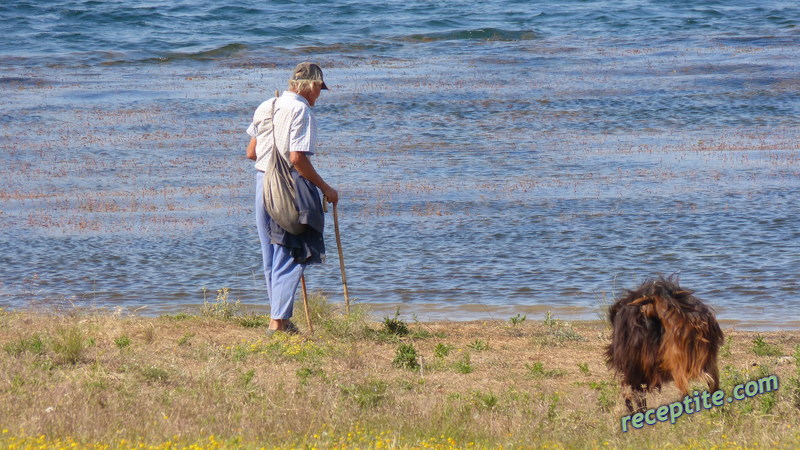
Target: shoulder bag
279,189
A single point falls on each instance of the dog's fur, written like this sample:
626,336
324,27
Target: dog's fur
662,333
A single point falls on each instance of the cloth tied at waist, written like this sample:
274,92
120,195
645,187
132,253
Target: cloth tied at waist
309,246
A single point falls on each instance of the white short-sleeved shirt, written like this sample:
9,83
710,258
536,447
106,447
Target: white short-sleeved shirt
295,127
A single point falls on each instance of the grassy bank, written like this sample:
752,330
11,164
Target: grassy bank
213,380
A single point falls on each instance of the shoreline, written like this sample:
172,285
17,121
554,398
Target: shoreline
419,312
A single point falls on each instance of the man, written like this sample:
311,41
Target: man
292,125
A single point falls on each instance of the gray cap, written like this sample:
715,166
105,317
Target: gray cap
308,71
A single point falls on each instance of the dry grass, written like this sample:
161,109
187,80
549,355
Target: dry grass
99,379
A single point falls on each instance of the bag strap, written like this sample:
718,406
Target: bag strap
288,137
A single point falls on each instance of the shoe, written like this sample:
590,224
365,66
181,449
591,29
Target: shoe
291,328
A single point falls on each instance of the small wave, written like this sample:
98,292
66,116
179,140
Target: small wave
481,34
225,50
708,12
207,55
354,47
21,81
756,41
234,11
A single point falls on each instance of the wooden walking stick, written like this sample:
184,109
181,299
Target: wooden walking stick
338,246
305,304
341,257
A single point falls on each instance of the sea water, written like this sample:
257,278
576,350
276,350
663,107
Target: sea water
492,159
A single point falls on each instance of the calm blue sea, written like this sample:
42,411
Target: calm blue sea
493,158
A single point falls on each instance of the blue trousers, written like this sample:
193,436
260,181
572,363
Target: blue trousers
280,270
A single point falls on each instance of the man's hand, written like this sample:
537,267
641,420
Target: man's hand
251,149
331,195
304,167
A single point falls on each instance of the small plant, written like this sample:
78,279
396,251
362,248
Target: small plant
409,385
797,358
395,326
154,374
537,370
762,348
240,353
768,402
33,345
794,382
725,350
247,377
549,321
122,341
368,394
179,316
603,302
557,332
479,345
553,406
185,339
222,308
305,373
516,320
406,357
584,368
442,350
319,309
794,391
149,334
421,334
254,320
731,377
606,395
349,327
567,333
70,344
463,365
485,401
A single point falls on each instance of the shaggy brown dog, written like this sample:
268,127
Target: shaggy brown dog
662,333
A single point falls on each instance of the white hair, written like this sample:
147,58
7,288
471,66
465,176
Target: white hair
300,86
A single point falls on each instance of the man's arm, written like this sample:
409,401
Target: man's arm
251,149
303,166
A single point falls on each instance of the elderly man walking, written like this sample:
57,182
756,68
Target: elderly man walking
294,130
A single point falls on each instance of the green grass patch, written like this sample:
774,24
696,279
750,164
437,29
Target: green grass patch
153,374
368,394
395,326
479,345
406,357
70,344
32,345
442,350
463,365
762,348
122,341
517,320
537,370
252,320
185,340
